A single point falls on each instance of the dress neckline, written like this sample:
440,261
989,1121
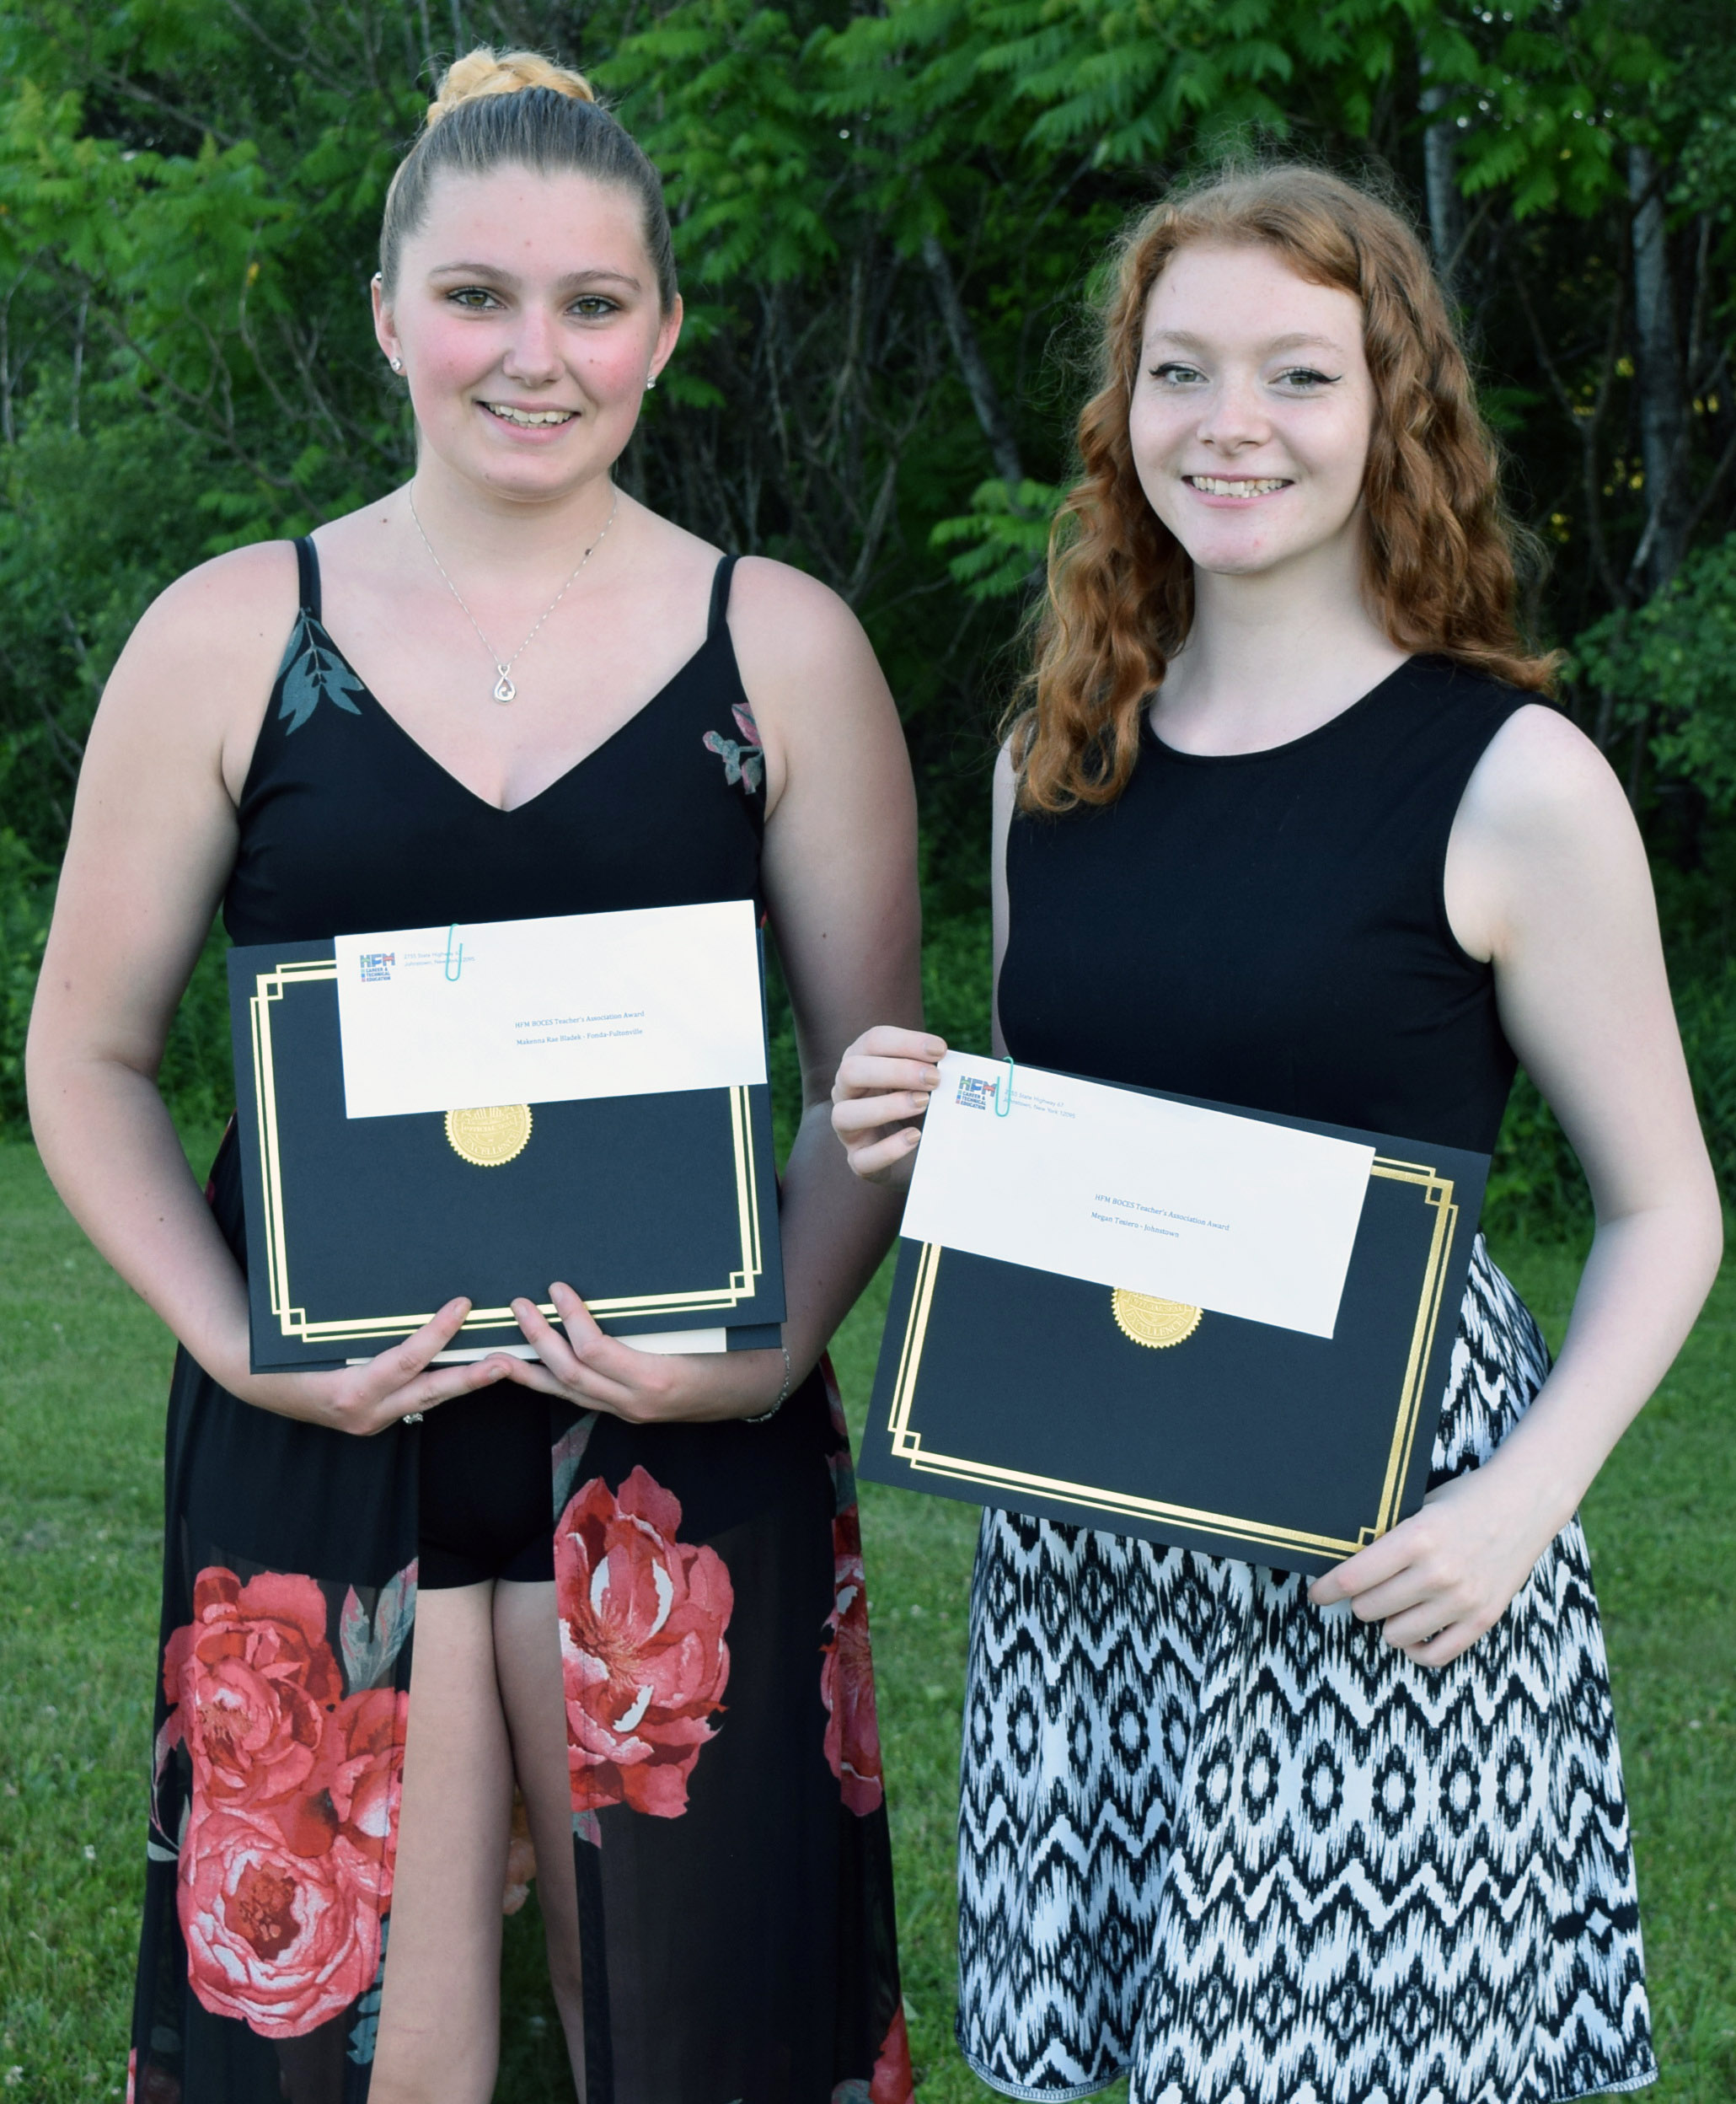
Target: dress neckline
1362,703
464,788
313,612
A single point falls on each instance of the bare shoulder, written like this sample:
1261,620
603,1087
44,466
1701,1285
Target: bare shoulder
192,684
212,639
1542,781
788,626
1544,838
236,603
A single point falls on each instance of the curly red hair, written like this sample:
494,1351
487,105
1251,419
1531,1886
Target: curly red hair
1439,546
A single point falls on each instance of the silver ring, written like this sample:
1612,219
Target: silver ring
411,1417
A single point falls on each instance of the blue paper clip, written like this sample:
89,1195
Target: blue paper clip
1005,1109
454,965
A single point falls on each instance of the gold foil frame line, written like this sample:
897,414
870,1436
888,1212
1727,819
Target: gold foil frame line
269,988
1436,1191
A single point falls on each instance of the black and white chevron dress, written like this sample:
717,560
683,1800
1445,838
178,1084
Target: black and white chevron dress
1239,1846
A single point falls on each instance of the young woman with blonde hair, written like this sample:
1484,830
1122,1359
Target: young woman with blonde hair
633,1581
1286,823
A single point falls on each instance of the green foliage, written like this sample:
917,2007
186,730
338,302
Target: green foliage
1550,102
1006,532
93,525
189,207
1675,657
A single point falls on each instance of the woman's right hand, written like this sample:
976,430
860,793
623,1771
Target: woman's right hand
884,1083
398,1383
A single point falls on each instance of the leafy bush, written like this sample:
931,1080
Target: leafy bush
1672,663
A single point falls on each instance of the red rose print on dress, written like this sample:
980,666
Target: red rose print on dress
285,1863
894,2082
852,1742
642,1655
251,1676
285,1942
352,1794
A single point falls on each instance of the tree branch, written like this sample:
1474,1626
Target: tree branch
979,381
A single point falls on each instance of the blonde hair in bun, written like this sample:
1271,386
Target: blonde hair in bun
520,109
487,72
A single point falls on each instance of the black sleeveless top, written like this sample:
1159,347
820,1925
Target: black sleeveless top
1269,929
347,824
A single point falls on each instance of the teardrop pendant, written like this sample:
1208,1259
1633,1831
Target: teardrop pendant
504,689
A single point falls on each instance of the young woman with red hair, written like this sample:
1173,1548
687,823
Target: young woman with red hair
1284,821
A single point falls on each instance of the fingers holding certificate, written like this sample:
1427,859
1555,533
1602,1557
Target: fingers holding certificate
884,1085
580,1363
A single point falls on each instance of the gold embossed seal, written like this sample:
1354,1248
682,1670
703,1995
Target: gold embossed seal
1158,1324
489,1137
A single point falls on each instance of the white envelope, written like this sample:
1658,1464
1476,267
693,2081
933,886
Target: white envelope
550,1011
1207,1207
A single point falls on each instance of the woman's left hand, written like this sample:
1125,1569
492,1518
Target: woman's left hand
596,1371
1444,1577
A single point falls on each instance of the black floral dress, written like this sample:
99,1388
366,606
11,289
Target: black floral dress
729,1824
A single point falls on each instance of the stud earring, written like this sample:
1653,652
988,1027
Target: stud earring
651,381
396,364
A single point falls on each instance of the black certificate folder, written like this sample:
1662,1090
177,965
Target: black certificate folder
1046,1395
660,1211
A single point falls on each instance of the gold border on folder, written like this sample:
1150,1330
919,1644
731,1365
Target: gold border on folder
489,1136
1146,1320
1435,1191
742,1283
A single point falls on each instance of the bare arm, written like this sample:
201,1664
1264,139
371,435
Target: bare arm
1546,876
887,1077
1000,913
840,874
841,877
153,841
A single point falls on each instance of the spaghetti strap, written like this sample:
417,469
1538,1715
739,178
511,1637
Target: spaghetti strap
307,568
719,596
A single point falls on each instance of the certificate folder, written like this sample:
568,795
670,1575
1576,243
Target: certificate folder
660,1211
1046,1395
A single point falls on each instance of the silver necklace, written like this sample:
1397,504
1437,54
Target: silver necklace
504,689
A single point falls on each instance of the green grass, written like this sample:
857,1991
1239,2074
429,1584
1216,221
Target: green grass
83,1371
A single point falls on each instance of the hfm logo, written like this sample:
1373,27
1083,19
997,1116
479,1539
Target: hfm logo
378,963
975,1094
